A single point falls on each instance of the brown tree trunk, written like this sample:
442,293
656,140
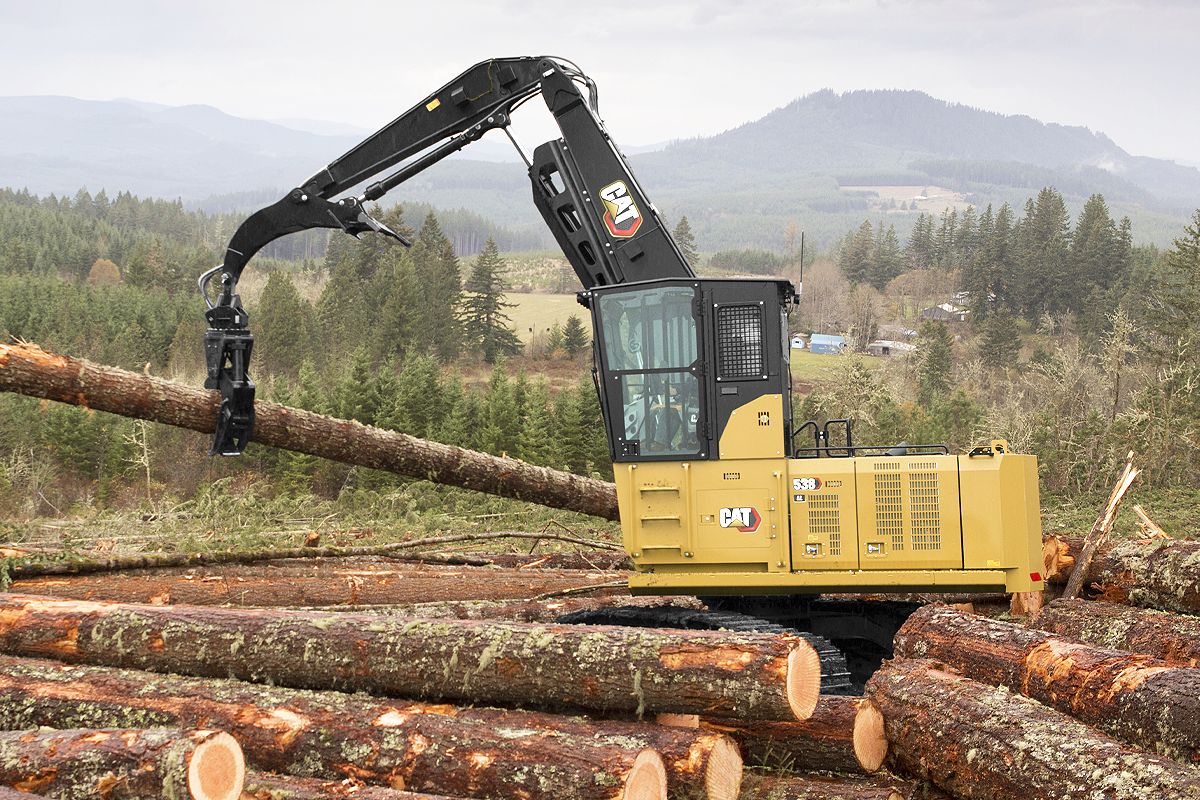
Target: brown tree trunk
560,666
606,556
264,786
844,734
981,742
29,370
1174,638
320,586
1134,697
1163,574
518,610
699,763
415,746
123,764
826,787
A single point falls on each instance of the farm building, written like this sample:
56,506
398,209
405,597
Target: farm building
886,347
946,312
827,344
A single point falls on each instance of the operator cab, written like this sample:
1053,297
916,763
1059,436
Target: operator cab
681,360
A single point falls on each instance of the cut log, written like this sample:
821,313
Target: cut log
414,746
608,556
264,786
981,742
1137,698
123,764
826,787
699,763
29,370
525,610
1174,638
844,734
601,668
297,586
1162,574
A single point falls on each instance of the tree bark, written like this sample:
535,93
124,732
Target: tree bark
516,610
415,746
29,370
699,763
601,668
7,793
1137,698
324,585
844,734
1162,574
981,742
264,786
1174,638
123,764
393,551
826,787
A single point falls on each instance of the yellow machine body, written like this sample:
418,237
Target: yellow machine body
777,525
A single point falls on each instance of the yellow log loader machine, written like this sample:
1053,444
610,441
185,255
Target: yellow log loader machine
722,494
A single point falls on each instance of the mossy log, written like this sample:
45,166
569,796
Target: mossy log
516,610
317,586
1162,573
1134,697
604,556
844,734
601,668
981,742
1174,638
699,763
264,786
415,746
825,787
123,764
29,370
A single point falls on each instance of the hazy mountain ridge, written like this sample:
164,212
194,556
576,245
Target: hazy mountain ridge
740,188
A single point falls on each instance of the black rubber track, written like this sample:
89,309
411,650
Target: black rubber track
835,678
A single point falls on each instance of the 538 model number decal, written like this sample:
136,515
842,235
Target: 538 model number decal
806,484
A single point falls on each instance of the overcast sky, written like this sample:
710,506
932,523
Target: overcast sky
666,69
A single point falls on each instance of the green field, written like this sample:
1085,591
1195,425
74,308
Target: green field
540,312
817,367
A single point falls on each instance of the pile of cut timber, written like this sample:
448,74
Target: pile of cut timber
1161,573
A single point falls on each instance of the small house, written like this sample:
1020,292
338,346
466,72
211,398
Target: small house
827,344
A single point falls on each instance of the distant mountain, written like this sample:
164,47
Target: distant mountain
822,162
58,144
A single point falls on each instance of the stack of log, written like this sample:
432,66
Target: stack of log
281,680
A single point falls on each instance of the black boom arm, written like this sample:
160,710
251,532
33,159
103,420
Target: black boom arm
582,186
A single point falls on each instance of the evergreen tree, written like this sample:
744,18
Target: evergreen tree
887,262
536,441
284,328
554,340
857,252
575,338
1000,342
920,248
438,287
420,407
1174,297
936,362
485,324
502,420
686,241
1093,259
1044,249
